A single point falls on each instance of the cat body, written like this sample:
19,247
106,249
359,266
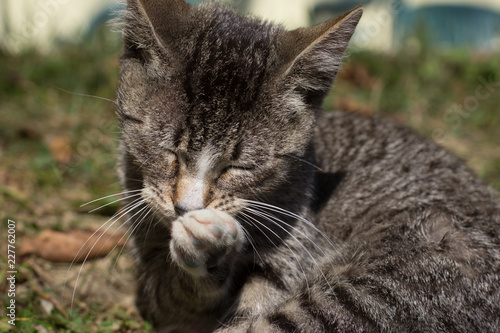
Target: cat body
254,212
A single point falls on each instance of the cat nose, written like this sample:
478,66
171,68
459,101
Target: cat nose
181,209
191,198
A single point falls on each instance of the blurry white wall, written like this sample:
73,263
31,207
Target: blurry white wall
290,13
39,24
376,29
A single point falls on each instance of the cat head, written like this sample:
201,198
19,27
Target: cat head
214,106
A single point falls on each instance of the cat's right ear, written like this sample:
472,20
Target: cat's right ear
313,55
150,23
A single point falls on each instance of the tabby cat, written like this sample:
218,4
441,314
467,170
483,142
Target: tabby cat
251,211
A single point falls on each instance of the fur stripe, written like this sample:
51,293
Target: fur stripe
284,323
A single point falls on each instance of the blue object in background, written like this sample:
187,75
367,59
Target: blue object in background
325,10
448,25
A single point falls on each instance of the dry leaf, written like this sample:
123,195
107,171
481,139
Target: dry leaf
349,104
74,245
60,149
358,75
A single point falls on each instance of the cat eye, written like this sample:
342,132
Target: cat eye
172,155
179,156
126,117
237,167
230,172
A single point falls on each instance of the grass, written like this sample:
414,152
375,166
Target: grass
58,150
451,97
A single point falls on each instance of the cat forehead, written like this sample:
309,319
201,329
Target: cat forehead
222,28
228,59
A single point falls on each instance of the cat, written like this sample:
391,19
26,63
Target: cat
252,211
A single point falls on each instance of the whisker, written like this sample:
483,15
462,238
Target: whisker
251,241
256,226
137,224
87,95
270,219
128,237
302,245
149,228
301,160
125,210
115,201
277,236
282,211
109,196
277,220
86,257
95,232
285,212
117,229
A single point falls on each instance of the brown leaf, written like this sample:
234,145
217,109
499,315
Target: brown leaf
75,245
60,149
358,75
28,131
349,104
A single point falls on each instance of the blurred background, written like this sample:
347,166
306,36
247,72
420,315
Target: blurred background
43,24
433,65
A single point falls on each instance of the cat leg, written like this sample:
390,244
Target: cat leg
258,297
203,240
186,285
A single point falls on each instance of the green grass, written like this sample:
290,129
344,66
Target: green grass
58,149
42,114
451,97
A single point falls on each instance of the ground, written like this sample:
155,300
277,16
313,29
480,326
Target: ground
58,151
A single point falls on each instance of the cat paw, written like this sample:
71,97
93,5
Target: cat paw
202,239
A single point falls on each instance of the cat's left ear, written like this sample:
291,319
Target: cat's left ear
150,23
168,18
313,55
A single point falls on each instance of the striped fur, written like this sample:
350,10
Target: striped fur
258,214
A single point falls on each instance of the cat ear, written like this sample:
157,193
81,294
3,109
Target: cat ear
167,18
313,55
164,20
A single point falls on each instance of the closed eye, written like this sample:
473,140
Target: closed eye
238,167
126,117
234,170
241,167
